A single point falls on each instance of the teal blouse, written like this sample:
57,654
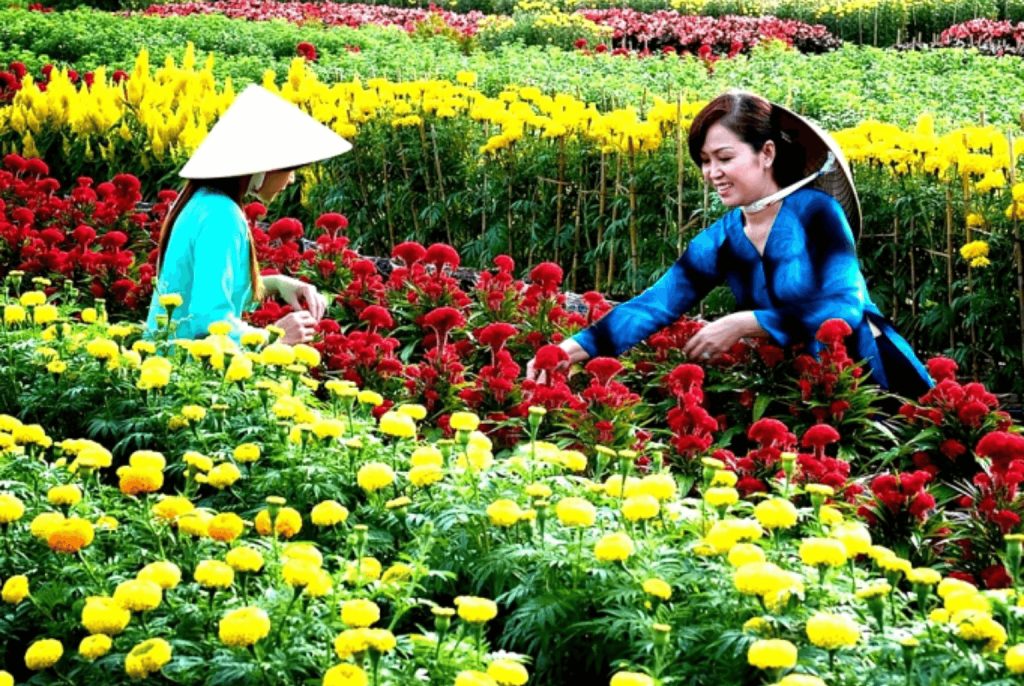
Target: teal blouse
207,264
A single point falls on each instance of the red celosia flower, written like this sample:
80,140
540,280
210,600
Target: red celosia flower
580,43
113,239
1001,447
254,211
408,253
495,335
833,331
504,263
36,167
442,320
285,229
84,235
332,222
306,50
603,368
548,357
996,576
547,275
377,317
819,436
941,368
440,254
768,432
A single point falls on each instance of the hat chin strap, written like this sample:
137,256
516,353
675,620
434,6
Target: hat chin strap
255,181
758,205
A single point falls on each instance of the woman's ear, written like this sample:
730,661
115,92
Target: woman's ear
768,154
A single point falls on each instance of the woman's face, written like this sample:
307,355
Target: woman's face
274,183
738,174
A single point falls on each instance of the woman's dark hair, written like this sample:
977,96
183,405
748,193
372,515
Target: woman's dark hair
754,120
233,187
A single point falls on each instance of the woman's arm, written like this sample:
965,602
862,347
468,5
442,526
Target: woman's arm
299,294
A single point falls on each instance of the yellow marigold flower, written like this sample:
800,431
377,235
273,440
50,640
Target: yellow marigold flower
508,672
147,459
225,527
776,513
136,481
464,421
168,300
854,536
43,654
631,679
214,574
397,573
350,642
144,347
360,613
380,640
980,627
761,578
102,615
67,495
874,590
57,367
426,455
820,489
374,476
345,675
369,569
287,524
974,249
243,627
801,680
575,512
71,535
239,369
756,625
247,452
15,589
724,534
95,646
223,475
724,477
962,601
660,485
657,588
722,496
198,461
831,632
745,553
538,490
172,507
102,349
14,314
328,513
277,355
370,398
163,573
821,552
307,355
44,523
504,512
397,424
244,559
474,677
952,585
1015,659
45,314
476,610
924,576
328,428
425,475
894,563
829,515
639,507
138,595
11,508
147,658
772,654
614,547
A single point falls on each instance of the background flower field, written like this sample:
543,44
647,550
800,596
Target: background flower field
393,503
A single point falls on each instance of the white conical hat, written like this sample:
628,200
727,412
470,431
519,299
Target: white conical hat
261,132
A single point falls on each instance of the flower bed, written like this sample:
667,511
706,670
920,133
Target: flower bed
332,512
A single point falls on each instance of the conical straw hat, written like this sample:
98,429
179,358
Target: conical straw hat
817,144
262,132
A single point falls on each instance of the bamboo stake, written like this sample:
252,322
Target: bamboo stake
408,179
440,184
1018,248
615,214
634,239
602,197
895,263
387,204
949,261
558,197
576,240
680,233
970,274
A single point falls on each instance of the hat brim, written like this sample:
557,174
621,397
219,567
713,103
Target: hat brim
817,144
262,132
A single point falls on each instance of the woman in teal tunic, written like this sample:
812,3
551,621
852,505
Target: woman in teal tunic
206,254
786,249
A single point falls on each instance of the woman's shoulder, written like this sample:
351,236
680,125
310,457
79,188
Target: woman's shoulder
814,199
208,205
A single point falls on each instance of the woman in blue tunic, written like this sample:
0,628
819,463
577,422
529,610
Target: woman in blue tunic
206,253
786,249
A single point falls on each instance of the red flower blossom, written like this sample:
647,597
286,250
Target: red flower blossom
547,275
942,368
769,432
408,253
833,331
819,436
603,368
495,335
504,263
255,211
306,50
1002,448
285,229
440,254
377,317
332,222
548,357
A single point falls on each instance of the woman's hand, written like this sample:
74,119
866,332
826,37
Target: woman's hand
719,336
299,327
299,294
573,349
